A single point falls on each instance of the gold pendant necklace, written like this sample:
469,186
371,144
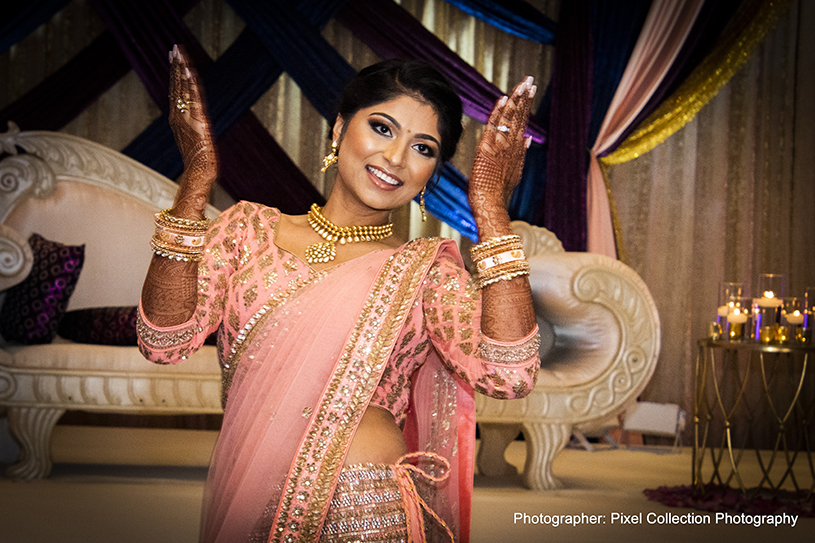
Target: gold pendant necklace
333,234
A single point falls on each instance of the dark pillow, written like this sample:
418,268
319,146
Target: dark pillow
100,325
32,309
105,326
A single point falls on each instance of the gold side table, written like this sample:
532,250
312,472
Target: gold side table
754,404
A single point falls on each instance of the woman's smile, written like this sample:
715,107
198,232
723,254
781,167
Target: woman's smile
384,177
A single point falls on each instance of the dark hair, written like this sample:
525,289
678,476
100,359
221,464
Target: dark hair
390,79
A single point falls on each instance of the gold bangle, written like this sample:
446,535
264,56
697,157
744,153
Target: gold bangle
503,272
503,277
479,251
174,252
165,215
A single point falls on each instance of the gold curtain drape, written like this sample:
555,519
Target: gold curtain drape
727,197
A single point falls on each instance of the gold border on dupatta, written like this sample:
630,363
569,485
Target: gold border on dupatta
307,492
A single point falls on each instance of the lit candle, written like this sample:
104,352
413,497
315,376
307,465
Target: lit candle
796,318
737,317
769,300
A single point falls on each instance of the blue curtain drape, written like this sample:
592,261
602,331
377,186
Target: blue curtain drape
513,16
21,18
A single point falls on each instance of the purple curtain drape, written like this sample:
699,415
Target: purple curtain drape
564,205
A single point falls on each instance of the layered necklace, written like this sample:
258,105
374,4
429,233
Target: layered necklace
332,234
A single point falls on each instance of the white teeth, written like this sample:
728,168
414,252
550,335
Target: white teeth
384,177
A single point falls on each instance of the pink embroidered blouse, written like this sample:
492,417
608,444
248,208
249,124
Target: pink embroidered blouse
243,270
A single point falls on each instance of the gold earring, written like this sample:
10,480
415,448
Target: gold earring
330,159
421,206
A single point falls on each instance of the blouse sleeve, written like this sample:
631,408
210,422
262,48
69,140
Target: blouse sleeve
452,313
171,345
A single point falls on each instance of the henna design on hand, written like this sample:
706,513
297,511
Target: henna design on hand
191,128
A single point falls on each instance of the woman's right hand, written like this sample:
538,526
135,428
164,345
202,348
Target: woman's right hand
191,128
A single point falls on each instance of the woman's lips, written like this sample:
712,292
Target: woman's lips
385,178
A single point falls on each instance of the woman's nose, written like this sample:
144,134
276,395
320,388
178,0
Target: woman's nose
395,152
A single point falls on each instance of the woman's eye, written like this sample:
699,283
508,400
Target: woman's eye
380,128
425,150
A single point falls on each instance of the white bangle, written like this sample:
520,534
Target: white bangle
500,258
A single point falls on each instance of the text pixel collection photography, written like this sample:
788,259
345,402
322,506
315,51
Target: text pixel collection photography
654,518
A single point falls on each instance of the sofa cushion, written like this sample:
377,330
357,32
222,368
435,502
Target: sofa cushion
32,309
100,325
62,354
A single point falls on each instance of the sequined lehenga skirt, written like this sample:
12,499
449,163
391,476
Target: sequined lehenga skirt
368,505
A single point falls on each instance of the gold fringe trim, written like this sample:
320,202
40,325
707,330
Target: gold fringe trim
622,256
746,33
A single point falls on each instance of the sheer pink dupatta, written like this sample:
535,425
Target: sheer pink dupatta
289,356
303,379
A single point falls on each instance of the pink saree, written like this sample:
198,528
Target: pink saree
302,380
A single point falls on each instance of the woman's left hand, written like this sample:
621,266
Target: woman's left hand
499,159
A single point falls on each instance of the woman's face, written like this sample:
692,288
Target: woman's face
387,152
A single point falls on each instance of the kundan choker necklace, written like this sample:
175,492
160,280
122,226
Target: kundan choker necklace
332,234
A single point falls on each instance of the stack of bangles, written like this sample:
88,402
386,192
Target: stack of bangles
499,259
179,239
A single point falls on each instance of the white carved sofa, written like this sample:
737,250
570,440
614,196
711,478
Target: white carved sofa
74,191
600,342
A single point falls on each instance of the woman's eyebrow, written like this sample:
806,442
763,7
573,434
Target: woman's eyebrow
399,126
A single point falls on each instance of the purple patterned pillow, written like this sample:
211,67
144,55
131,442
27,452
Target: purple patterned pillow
32,309
100,325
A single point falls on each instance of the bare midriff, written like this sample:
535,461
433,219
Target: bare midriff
378,439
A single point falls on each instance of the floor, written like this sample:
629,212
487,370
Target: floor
134,485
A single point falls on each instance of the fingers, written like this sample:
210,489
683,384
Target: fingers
186,100
510,115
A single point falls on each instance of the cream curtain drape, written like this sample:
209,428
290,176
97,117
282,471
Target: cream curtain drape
729,196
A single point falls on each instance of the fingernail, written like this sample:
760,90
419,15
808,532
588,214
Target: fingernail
530,80
533,90
187,73
170,54
175,49
503,101
528,142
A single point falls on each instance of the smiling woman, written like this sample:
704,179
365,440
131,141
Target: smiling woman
349,357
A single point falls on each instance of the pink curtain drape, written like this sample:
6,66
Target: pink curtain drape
665,30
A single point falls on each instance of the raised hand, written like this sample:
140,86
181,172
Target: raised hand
507,311
499,158
191,128
169,293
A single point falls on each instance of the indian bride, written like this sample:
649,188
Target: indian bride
349,357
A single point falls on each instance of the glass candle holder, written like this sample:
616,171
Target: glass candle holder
792,321
738,319
767,307
728,291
